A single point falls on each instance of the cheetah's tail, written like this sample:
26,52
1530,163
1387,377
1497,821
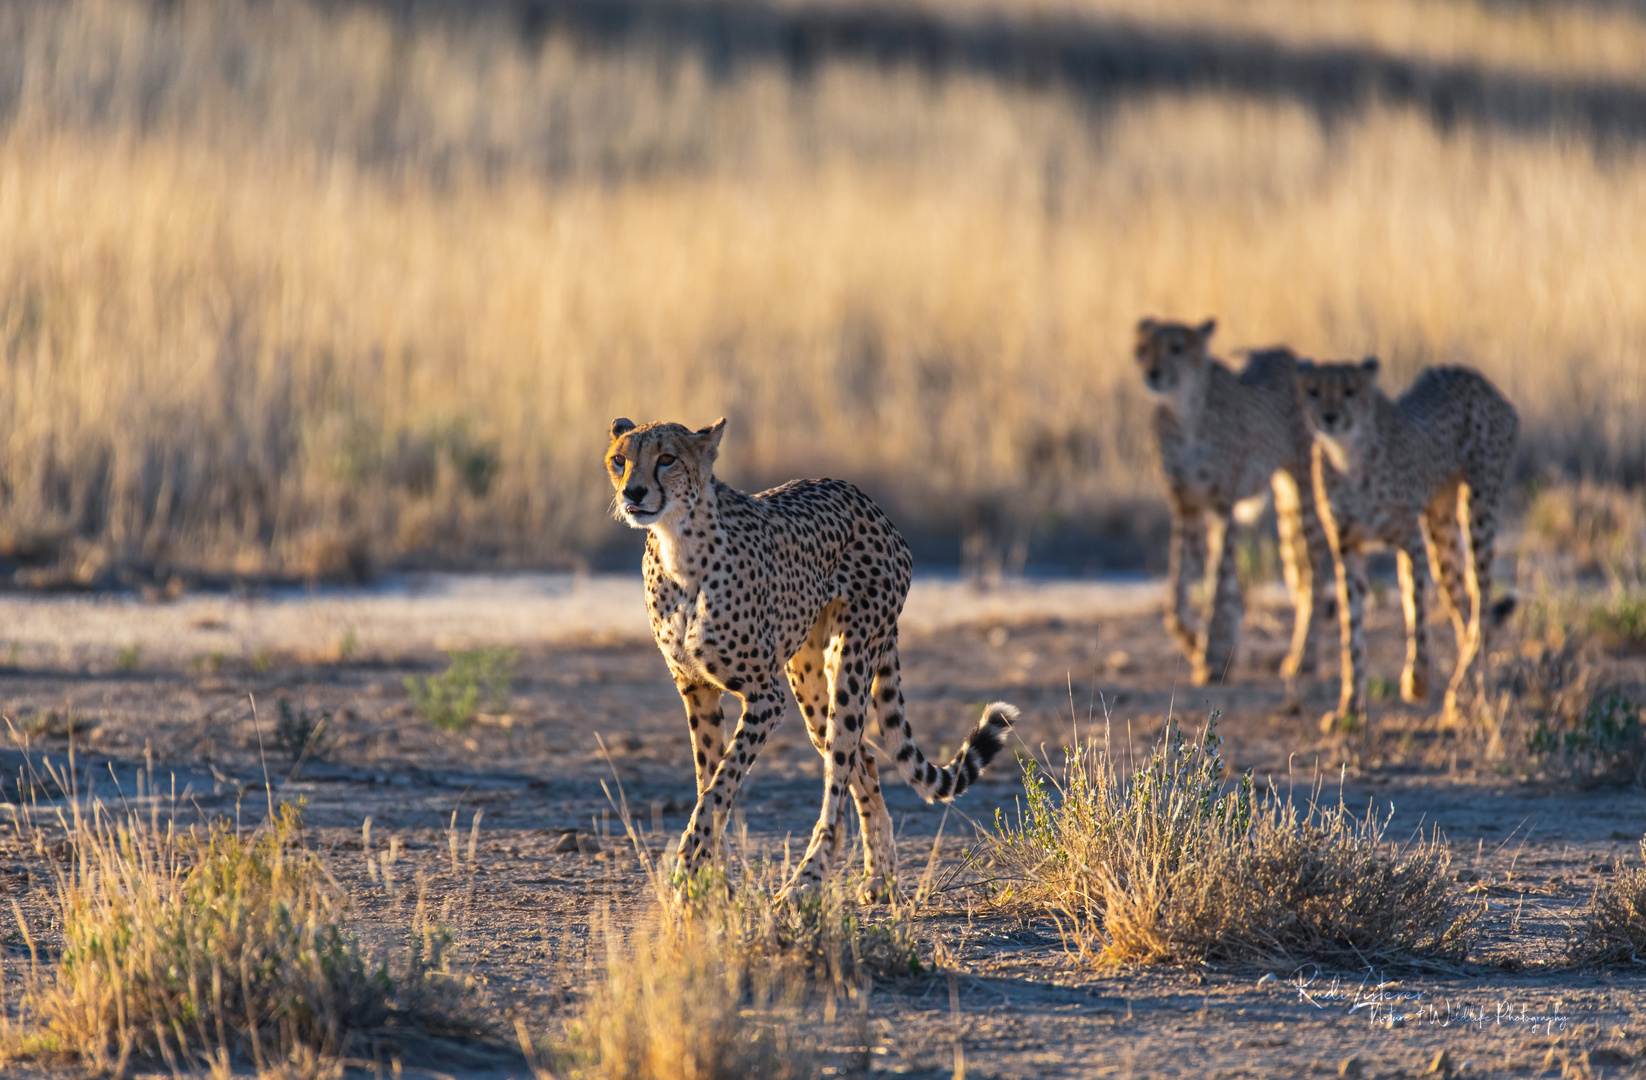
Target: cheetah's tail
934,783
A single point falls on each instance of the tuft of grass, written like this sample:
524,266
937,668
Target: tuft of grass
209,949
678,999
451,700
128,658
1168,863
1614,927
195,949
712,982
299,733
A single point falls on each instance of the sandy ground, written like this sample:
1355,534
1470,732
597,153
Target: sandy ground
1018,1006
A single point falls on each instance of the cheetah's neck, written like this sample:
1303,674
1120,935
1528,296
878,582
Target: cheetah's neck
684,542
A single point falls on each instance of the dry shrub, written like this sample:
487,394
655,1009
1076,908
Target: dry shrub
1614,927
1166,864
204,949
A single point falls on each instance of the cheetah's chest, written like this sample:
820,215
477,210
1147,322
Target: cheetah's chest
681,621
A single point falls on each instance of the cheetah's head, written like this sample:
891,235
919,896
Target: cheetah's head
658,470
1338,402
1174,358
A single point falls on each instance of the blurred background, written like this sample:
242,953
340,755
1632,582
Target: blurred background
308,287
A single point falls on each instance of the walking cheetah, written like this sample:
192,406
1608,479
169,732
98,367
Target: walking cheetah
806,580
1223,438
1424,475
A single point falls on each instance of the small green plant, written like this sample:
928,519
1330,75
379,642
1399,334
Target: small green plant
1380,688
452,699
1620,622
348,645
1607,742
300,733
128,658
262,661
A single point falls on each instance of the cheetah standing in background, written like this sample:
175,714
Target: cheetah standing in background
806,580
1224,438
1424,475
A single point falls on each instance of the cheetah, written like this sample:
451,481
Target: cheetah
1425,475
1223,438
806,580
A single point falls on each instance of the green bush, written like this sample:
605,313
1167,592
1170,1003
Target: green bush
450,701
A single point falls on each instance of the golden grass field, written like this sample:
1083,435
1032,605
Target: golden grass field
285,288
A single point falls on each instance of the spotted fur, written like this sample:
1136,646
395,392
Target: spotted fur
1425,475
806,580
1225,438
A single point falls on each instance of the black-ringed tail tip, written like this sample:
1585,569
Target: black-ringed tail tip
936,783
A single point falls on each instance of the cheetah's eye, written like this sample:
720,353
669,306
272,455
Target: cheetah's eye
1314,392
665,460
1348,391
617,461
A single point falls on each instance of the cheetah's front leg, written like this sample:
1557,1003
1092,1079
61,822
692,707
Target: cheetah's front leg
1212,660
762,711
1186,560
707,723
1351,604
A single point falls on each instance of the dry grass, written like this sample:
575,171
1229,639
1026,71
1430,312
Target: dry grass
718,978
210,950
1167,864
680,999
1614,927
291,289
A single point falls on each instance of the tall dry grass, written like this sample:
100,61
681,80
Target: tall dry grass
290,288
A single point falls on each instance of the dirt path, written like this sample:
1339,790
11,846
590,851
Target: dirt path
1019,1006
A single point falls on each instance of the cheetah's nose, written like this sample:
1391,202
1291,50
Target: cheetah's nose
1329,419
634,492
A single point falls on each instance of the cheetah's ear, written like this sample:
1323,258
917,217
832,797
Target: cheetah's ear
621,427
712,433
1305,366
1205,329
1146,325
1369,365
